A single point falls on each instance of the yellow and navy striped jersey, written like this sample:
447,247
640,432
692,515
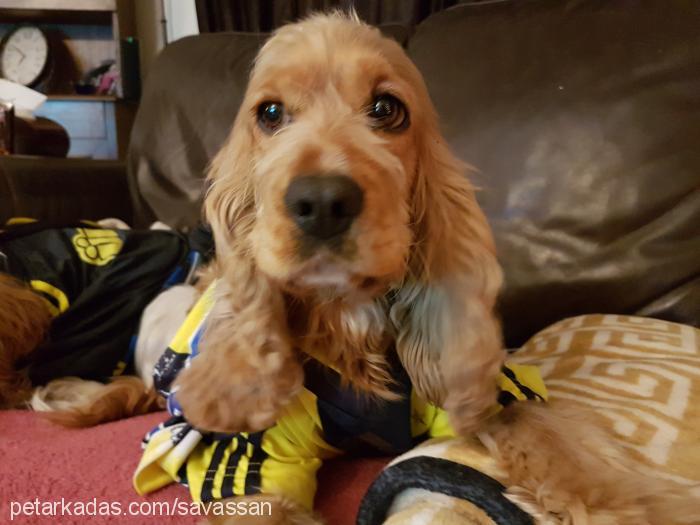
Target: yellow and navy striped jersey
326,419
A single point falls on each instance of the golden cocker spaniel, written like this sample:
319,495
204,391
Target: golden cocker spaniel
345,228
343,225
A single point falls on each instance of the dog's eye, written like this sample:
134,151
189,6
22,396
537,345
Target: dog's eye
271,116
388,113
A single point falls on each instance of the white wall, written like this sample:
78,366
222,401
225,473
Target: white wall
159,22
180,19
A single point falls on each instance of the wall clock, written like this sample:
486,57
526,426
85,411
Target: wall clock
24,55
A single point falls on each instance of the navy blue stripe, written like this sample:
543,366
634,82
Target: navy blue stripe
253,479
231,466
505,398
530,394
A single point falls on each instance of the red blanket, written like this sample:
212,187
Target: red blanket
53,470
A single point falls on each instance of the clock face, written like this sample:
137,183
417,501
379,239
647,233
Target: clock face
24,55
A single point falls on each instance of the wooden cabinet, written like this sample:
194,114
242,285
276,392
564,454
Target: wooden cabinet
98,127
83,34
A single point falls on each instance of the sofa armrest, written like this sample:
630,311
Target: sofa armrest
63,190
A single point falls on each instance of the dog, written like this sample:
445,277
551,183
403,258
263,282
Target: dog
348,233
93,300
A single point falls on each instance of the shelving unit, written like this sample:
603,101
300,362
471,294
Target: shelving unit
68,5
83,34
84,98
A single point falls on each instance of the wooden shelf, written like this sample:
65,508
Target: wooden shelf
100,12
83,98
60,5
55,16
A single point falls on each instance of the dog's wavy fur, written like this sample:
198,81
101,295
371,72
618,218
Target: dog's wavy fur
421,240
564,468
75,402
423,245
24,323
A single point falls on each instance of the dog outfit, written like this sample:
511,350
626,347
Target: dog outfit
325,420
95,282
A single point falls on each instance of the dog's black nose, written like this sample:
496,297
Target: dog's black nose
323,206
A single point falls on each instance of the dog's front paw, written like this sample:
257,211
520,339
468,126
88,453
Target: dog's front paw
467,411
240,396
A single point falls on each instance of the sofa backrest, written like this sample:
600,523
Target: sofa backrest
583,121
581,117
188,105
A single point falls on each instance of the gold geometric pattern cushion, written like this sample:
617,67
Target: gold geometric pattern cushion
641,374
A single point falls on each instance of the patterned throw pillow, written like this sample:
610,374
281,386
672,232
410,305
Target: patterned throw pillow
642,374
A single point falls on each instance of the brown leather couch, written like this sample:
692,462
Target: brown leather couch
581,117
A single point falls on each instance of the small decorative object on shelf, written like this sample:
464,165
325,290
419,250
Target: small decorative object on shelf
7,124
101,80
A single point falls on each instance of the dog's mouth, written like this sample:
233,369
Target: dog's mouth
325,275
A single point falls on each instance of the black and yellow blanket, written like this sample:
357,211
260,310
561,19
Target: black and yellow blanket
95,282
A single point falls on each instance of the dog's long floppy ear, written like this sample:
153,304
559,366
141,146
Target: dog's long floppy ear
246,370
448,338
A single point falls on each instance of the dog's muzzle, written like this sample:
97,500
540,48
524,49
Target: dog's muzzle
324,206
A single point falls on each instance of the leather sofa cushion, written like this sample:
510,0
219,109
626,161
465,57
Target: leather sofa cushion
62,191
583,121
188,106
582,118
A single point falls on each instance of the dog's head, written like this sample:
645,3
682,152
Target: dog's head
322,165
336,186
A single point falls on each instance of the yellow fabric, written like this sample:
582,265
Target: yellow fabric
154,470
525,375
61,299
119,369
295,449
97,246
292,450
182,342
13,221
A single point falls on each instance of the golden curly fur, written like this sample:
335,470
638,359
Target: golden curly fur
563,468
24,323
421,240
417,271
